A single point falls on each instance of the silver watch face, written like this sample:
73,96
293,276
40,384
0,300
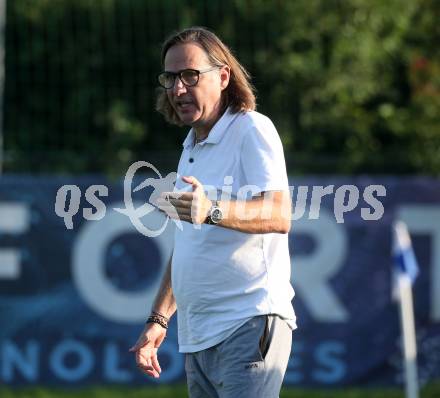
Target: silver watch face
216,215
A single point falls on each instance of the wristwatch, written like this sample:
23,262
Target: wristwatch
215,214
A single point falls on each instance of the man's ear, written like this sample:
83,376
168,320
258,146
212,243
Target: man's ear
225,74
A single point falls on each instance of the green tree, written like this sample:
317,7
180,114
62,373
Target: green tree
353,86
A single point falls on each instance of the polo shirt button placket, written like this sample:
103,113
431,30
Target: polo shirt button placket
193,153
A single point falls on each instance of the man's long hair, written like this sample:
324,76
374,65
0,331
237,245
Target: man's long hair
239,95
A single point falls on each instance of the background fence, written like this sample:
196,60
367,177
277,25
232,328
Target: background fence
352,86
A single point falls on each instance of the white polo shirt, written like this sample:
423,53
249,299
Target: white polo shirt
220,277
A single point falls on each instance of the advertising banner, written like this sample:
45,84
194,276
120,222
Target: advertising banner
81,260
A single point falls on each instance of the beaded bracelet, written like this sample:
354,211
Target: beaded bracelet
159,320
161,315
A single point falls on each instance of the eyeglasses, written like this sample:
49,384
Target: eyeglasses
189,77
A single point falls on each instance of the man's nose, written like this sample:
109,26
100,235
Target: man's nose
178,87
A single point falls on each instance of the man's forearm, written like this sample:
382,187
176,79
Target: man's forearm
268,213
165,303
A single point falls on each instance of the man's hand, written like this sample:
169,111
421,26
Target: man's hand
146,349
186,206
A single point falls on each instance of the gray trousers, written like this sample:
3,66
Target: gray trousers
250,363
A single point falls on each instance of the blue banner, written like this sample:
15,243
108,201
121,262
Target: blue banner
77,279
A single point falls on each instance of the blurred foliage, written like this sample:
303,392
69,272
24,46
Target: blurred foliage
353,86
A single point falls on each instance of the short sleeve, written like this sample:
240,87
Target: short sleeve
262,158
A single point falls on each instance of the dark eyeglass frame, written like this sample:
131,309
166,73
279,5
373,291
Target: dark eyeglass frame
179,74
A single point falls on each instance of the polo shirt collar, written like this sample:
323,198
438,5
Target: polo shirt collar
216,133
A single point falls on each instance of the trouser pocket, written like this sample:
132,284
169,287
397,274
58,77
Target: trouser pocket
265,338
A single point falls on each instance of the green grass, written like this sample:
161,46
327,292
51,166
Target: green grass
430,391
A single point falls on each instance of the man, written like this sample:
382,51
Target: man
229,276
